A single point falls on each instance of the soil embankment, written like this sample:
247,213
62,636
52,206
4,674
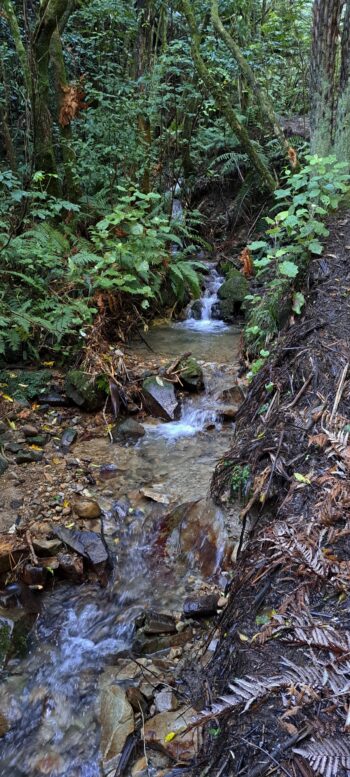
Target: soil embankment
282,661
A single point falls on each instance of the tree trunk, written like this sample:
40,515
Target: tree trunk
44,153
71,188
223,104
261,96
326,29
342,123
4,122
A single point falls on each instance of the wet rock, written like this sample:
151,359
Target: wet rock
45,547
165,700
156,623
136,698
84,390
116,717
15,626
86,543
200,606
34,575
231,295
53,399
71,566
196,309
185,743
29,430
25,457
121,507
145,644
191,374
194,533
68,437
229,412
108,471
160,399
127,430
6,628
232,395
3,465
88,509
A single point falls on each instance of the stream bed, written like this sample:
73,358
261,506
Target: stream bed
83,633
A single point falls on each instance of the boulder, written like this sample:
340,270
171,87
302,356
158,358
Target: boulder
172,726
84,391
116,717
160,399
127,430
191,374
231,295
196,309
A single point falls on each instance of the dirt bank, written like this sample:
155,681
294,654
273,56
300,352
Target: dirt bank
282,661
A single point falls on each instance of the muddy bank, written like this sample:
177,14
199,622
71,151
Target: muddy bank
280,674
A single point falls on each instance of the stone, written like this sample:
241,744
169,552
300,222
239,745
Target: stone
145,645
234,395
136,698
88,544
53,399
160,399
3,465
156,623
45,547
68,437
71,566
116,717
15,625
127,430
84,391
200,606
165,700
88,509
184,745
196,309
3,427
29,430
140,767
229,412
231,295
108,471
34,575
26,457
191,374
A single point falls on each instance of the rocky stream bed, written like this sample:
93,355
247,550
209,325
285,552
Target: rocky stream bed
114,562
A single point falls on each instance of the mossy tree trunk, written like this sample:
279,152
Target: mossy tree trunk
260,94
222,102
71,187
324,70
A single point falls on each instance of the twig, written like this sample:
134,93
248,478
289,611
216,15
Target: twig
339,390
105,420
32,551
143,736
300,393
274,463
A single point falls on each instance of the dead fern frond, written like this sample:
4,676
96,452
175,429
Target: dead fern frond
327,757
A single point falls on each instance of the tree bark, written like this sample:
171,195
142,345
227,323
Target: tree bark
70,186
326,28
260,94
223,104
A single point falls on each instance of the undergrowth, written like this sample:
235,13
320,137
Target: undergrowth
295,232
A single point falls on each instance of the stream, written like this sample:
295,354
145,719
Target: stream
53,693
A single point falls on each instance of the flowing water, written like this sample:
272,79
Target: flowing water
52,695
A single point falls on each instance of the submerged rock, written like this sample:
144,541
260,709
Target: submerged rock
191,374
160,399
84,390
127,430
87,543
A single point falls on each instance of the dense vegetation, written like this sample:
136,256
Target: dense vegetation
108,108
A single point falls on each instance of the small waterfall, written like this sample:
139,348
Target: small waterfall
192,421
209,298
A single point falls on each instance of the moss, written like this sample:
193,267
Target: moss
25,384
5,639
87,392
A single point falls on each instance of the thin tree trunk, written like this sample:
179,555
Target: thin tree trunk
260,94
4,123
56,54
222,103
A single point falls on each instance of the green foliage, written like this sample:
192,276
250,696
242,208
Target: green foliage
50,278
239,482
293,235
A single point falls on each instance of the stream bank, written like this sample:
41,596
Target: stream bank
132,520
280,673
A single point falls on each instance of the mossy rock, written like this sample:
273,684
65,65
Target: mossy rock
86,391
235,288
191,375
25,385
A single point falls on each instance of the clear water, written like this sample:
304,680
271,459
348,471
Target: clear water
52,696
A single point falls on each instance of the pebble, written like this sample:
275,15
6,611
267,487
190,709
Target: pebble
29,430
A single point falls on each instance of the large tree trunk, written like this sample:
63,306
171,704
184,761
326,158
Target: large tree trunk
342,122
222,103
326,30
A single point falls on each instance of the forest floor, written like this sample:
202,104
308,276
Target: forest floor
280,675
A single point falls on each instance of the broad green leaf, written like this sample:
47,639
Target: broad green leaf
289,269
